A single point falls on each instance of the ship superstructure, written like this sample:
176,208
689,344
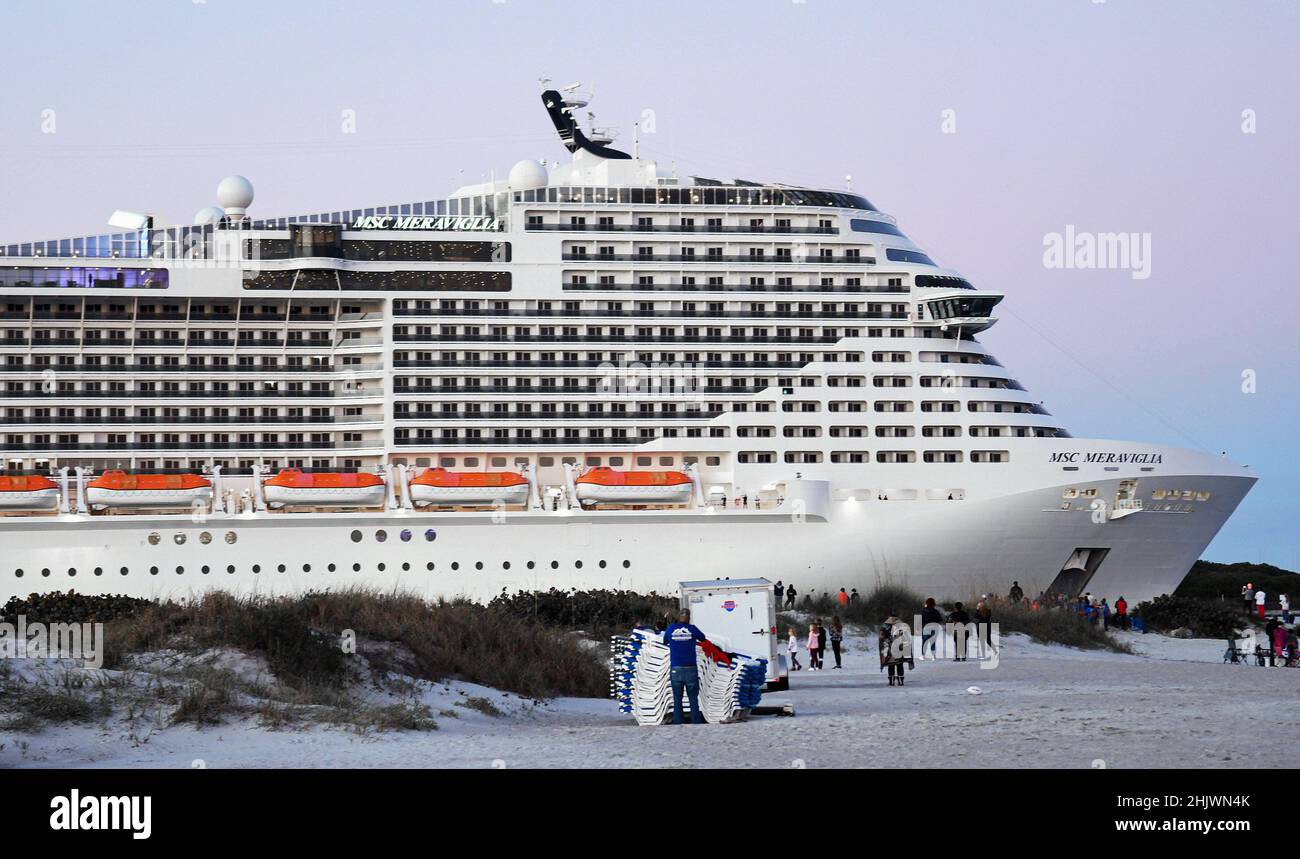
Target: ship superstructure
601,374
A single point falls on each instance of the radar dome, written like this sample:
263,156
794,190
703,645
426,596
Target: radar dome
527,175
235,195
210,215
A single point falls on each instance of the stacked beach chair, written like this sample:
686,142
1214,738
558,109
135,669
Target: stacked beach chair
640,676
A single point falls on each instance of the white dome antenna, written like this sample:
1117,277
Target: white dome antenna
235,195
208,215
528,175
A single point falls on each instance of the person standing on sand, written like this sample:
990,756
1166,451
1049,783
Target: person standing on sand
1017,594
960,619
984,625
895,648
931,617
793,650
814,658
843,597
1260,596
821,643
680,638
1248,597
837,636
789,596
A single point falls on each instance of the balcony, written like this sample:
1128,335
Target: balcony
694,229
516,441
721,258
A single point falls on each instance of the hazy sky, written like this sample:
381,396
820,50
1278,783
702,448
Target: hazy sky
1116,116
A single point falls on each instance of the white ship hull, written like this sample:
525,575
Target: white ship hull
817,539
815,371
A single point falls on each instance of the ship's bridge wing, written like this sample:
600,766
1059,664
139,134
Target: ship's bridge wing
970,309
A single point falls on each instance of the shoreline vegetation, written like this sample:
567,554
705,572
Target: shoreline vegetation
354,659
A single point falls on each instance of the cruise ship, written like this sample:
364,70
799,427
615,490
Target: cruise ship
595,374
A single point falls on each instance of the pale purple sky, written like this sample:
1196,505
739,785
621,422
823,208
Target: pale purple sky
1122,116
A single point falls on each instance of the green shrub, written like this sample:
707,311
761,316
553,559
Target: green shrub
1205,618
1054,626
71,607
599,612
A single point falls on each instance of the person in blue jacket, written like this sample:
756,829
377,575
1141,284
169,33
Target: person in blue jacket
680,639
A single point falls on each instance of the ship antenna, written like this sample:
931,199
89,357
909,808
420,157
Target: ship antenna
636,140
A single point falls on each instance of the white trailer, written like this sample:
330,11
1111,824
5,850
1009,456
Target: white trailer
739,615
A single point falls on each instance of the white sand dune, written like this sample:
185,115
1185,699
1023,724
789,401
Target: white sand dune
1176,705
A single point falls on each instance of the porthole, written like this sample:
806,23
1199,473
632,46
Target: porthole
99,571
577,565
429,566
231,569
532,564
356,568
306,568
72,571
382,566
206,569
18,574
180,570
627,564
124,571
455,565
257,568
381,536
505,565
231,537
430,535
45,573
155,538
555,565
153,571
356,536
280,568
603,565
179,538
332,568
406,535
478,565
205,538
406,567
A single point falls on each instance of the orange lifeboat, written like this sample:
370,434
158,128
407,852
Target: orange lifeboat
438,486
117,489
23,492
608,486
293,487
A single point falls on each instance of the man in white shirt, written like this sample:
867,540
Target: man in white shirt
1259,602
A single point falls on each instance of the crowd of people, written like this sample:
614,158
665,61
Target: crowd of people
1089,607
895,635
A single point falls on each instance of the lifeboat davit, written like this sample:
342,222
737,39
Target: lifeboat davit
117,490
295,488
449,488
607,486
28,493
